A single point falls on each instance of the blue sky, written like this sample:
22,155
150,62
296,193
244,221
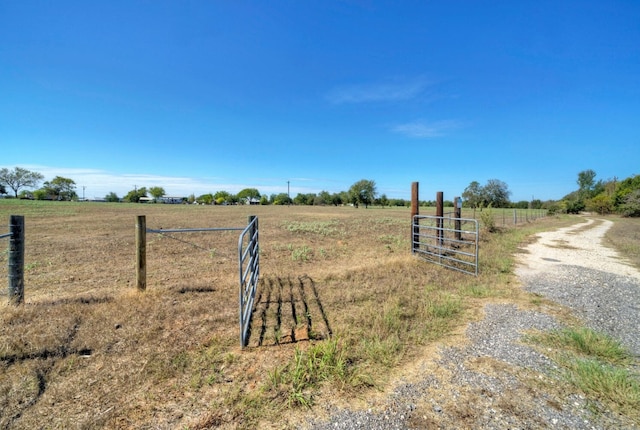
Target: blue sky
202,96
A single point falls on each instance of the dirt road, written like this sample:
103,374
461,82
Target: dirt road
495,381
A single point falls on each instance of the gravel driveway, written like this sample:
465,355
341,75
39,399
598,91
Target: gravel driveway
496,382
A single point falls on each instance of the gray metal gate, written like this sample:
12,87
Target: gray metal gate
447,241
248,264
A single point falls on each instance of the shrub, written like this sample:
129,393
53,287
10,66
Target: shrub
631,207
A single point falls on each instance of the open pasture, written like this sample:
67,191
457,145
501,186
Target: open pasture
341,307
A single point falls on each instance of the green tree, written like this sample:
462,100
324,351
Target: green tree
472,195
60,188
363,192
248,195
224,197
157,193
602,203
112,197
134,195
19,178
323,198
586,182
206,199
536,204
496,193
281,199
304,199
631,206
3,190
40,194
626,187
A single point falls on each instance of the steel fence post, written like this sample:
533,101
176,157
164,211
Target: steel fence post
16,259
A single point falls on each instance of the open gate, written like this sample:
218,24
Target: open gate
248,264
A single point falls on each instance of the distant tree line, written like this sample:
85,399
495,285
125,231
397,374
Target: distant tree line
19,180
603,197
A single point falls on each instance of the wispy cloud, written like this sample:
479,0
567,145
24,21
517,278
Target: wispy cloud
378,92
425,129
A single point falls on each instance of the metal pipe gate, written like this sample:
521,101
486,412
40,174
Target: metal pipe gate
248,264
447,241
249,267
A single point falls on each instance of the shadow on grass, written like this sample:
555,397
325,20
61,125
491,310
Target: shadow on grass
288,311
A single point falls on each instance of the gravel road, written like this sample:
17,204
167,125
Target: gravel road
494,381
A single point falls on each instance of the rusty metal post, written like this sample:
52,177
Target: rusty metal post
141,253
415,210
16,259
457,214
440,216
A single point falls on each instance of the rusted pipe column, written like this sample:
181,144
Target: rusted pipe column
141,253
415,210
457,214
439,215
16,259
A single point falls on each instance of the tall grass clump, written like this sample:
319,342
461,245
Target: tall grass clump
616,386
488,220
297,381
596,364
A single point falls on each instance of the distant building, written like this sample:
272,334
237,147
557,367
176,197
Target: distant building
172,200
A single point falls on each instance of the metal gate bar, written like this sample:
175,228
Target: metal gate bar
249,268
455,248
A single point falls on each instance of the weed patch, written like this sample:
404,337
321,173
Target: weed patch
596,364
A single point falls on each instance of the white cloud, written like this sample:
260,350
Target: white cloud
426,130
378,92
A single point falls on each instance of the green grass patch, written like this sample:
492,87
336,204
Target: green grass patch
611,384
444,307
583,341
596,364
322,228
296,381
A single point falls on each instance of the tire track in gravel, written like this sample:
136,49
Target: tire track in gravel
573,267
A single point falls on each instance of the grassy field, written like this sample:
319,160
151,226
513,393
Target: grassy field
341,309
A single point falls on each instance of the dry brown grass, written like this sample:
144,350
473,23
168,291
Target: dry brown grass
625,237
339,289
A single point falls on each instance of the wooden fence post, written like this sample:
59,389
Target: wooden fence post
141,253
16,259
415,210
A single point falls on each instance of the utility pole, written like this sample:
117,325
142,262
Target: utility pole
288,194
